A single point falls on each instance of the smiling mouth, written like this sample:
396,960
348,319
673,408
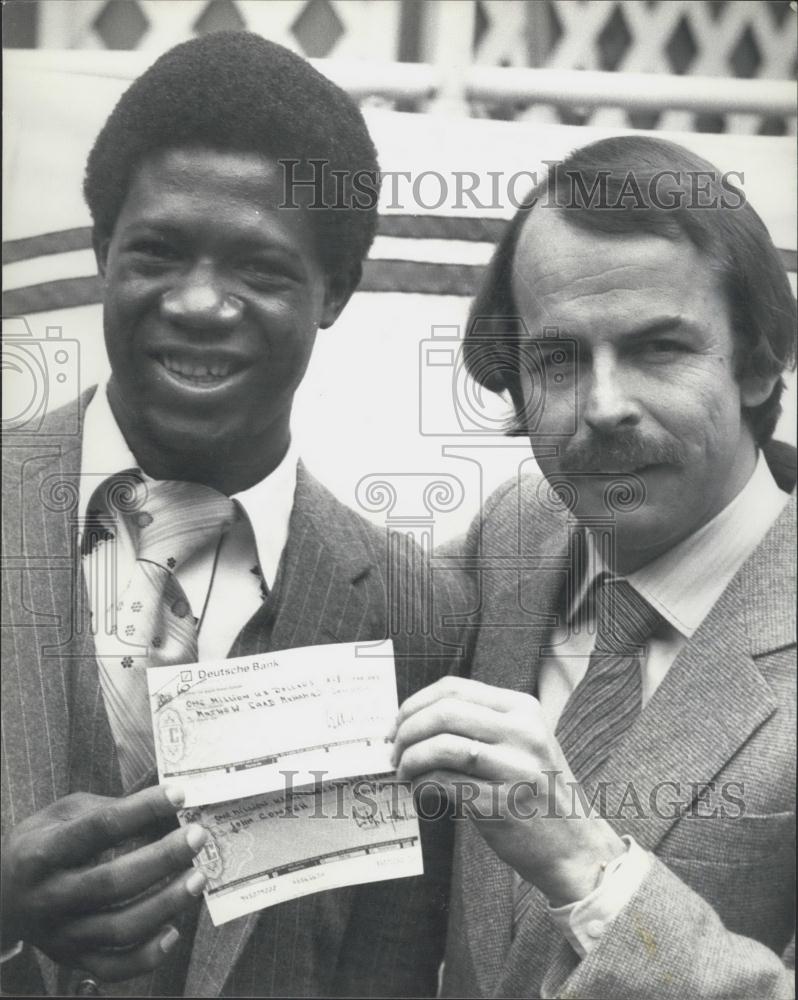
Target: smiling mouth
624,469
207,373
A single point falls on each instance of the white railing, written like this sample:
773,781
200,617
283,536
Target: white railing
428,87
631,91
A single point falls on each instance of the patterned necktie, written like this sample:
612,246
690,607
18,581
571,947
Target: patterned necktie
171,522
608,699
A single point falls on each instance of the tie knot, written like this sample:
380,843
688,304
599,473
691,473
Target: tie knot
173,520
624,620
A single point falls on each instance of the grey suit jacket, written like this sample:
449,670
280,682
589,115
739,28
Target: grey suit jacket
715,914
332,586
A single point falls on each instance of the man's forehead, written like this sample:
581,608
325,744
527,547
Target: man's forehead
231,198
556,259
550,236
174,165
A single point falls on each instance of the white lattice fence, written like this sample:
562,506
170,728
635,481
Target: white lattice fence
704,38
740,39
316,28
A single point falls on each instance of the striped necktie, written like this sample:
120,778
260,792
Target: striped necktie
608,699
169,522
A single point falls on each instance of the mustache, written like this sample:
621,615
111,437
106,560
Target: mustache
623,451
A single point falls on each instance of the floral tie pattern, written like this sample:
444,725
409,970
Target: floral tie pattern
169,522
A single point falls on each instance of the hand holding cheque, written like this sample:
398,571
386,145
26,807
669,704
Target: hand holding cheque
305,729
492,752
108,915
270,756
285,765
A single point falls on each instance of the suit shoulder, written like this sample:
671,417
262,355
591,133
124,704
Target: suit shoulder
764,587
64,423
520,504
345,531
340,519
772,562
524,489
52,434
53,442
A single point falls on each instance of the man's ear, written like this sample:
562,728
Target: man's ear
100,243
756,389
337,293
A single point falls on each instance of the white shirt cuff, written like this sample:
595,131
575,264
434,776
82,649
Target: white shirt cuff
12,952
584,922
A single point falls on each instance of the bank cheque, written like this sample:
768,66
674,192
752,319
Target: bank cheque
284,760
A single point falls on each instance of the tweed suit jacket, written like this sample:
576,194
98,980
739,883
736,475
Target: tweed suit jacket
714,917
332,586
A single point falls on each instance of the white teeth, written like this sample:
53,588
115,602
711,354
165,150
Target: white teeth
196,369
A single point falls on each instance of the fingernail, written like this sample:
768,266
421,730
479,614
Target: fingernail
170,939
195,836
195,883
175,795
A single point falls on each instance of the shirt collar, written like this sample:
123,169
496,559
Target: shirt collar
684,583
105,451
267,504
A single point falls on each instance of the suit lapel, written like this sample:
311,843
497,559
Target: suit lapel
91,759
53,658
325,556
508,653
712,699
321,595
50,669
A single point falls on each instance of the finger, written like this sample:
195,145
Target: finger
127,876
499,699
437,785
449,715
434,793
446,752
128,926
456,795
115,966
77,840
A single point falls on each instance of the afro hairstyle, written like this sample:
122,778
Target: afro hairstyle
237,91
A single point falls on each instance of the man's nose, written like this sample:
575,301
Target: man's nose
611,401
199,299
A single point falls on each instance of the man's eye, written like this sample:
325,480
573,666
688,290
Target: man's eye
666,346
266,272
154,249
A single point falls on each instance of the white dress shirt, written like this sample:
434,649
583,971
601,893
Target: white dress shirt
683,585
224,589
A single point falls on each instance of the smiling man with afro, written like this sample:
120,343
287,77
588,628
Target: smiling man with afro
237,91
233,192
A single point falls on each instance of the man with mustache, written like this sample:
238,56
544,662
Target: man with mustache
623,750
184,490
